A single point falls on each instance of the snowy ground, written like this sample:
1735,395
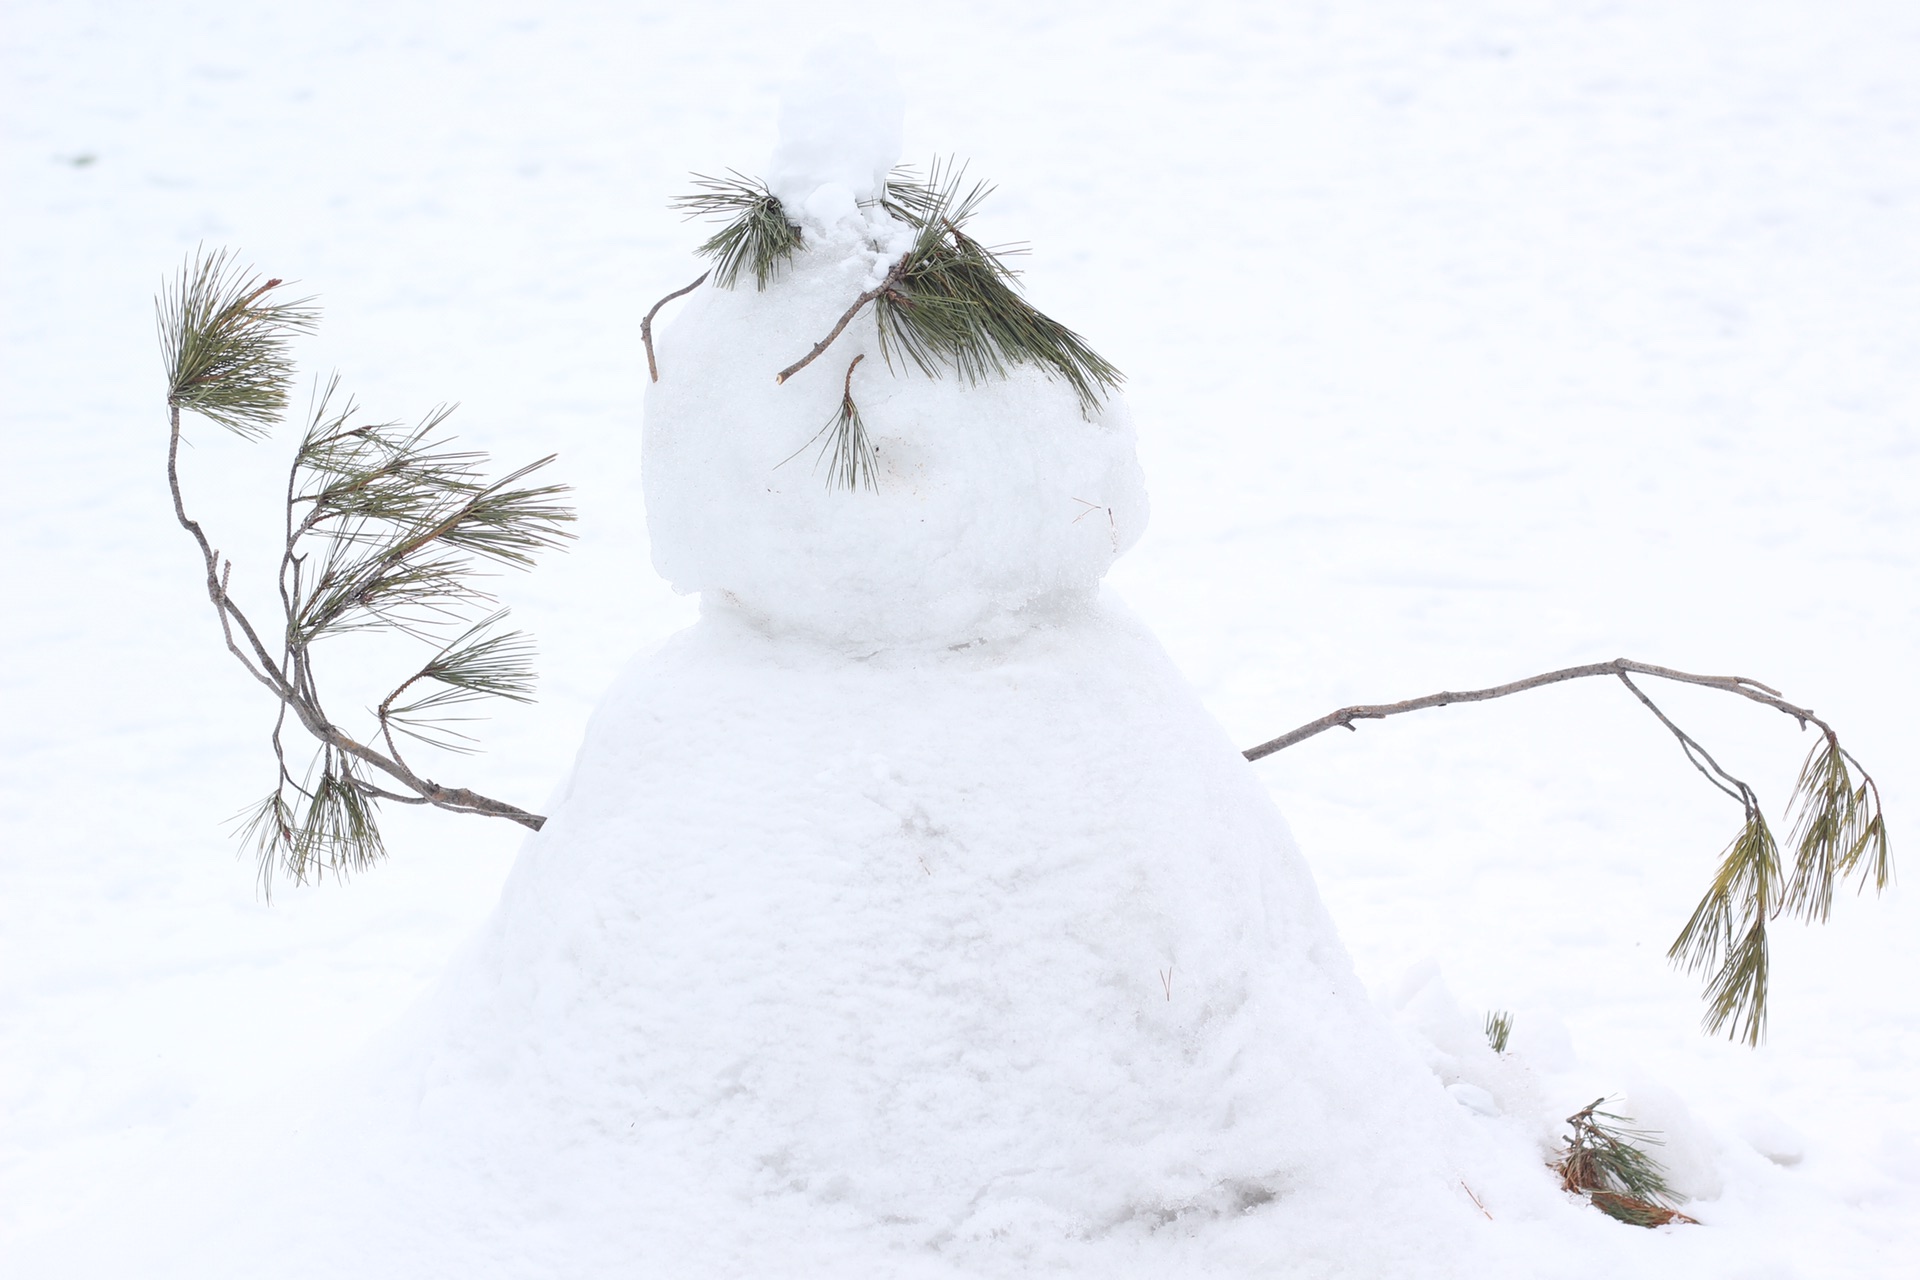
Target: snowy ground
1464,341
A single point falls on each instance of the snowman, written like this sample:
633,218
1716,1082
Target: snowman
907,914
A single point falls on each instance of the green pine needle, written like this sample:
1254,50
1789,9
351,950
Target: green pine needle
757,235
1499,1027
269,827
957,305
476,665
327,827
402,516
1839,828
1727,933
848,453
223,342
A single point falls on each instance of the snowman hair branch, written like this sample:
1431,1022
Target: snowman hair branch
949,304
385,530
849,454
1839,830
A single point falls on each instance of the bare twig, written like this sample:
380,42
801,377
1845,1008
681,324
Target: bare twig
646,325
1344,718
885,286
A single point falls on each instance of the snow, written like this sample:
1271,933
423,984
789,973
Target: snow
1498,336
788,980
841,116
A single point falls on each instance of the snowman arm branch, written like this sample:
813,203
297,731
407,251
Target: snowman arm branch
1840,830
1345,717
646,325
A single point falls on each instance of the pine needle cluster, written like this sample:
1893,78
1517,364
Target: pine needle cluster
1499,1029
1605,1158
387,528
848,454
757,235
223,340
955,304
1838,830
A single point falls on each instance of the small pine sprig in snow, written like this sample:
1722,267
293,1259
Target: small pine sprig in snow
1605,1159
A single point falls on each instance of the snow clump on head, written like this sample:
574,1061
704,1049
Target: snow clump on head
840,125
995,505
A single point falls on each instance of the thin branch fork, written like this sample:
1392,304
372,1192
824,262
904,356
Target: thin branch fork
1619,667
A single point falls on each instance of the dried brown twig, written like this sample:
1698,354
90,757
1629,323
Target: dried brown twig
889,285
646,325
1619,667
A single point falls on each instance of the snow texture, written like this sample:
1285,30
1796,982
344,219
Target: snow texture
841,118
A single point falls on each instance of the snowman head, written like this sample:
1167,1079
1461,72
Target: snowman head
860,431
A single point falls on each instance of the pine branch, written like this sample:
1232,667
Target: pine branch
1604,1152
958,305
1606,1159
757,234
849,452
1840,830
1344,718
384,527
951,304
